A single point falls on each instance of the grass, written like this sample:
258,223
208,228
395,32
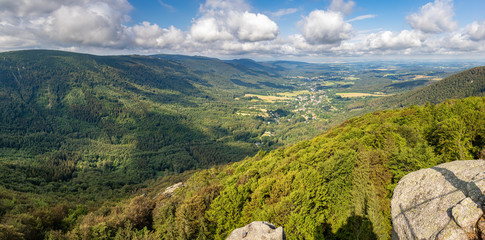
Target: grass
333,83
268,98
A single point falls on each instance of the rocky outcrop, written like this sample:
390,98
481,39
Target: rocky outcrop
442,202
169,191
258,231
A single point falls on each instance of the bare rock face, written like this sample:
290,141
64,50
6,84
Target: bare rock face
442,202
466,214
169,191
258,231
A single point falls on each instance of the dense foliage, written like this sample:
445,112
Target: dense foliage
80,131
464,84
335,186
103,122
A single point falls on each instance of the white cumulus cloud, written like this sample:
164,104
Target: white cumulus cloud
79,23
476,31
387,40
325,27
253,27
435,17
91,24
148,35
224,20
229,28
342,6
209,29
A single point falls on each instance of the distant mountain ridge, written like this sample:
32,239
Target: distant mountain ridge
461,85
218,71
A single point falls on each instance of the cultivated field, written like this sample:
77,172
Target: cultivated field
355,95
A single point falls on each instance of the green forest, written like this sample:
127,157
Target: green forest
88,144
335,186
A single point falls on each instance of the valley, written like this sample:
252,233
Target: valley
240,119
83,136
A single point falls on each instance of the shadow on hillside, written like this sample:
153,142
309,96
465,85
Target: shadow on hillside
356,227
168,143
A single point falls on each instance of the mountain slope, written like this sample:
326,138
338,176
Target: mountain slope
77,129
108,121
464,84
335,186
243,73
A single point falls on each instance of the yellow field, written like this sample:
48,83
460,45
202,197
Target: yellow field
268,98
354,95
294,93
417,77
329,84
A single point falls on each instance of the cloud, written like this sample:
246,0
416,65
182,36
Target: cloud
93,24
148,35
83,23
325,27
208,29
166,5
62,23
436,17
476,31
224,5
342,6
32,9
459,42
253,27
229,28
283,12
363,17
223,21
387,40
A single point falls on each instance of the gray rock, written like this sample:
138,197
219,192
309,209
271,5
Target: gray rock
466,214
169,191
258,231
476,187
452,232
422,203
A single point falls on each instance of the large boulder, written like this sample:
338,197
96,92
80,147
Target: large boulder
258,231
442,202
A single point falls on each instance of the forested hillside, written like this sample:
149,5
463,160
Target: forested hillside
101,122
335,186
80,131
464,84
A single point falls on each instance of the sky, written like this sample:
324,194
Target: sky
266,30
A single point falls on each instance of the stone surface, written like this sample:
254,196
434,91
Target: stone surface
466,214
452,232
169,190
258,231
422,203
476,187
481,228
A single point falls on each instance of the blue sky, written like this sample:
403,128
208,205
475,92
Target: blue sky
285,29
